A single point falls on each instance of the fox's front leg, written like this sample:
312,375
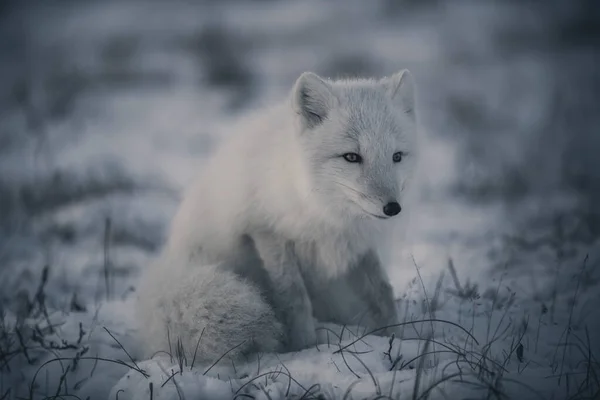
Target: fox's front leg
370,282
290,297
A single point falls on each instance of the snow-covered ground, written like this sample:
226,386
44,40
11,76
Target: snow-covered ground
109,108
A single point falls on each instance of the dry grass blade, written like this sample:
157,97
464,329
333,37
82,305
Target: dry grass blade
224,354
237,393
120,345
568,328
59,359
107,229
309,390
404,324
346,363
420,368
427,391
173,373
287,392
196,350
375,382
349,389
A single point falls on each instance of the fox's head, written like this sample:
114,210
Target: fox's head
359,140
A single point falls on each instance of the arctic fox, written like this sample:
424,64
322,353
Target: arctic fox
286,224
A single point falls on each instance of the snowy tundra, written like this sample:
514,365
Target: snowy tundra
286,225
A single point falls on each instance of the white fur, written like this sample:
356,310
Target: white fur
280,228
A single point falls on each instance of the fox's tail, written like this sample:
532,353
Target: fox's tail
204,311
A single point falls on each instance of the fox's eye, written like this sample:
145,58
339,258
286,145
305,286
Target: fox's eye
352,158
397,157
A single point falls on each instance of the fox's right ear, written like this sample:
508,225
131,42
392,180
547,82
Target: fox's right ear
401,88
312,99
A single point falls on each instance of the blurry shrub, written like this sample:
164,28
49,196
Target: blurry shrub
223,55
350,65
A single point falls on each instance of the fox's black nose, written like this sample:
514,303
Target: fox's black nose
391,209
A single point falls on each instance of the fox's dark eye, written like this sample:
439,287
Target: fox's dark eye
352,158
397,157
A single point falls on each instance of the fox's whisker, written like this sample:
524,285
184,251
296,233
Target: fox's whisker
361,194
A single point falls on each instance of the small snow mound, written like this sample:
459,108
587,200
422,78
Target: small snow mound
164,382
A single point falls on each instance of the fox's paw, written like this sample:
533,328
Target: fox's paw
302,335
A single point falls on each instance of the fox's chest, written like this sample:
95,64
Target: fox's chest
330,257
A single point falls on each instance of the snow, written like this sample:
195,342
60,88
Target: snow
110,109
283,375
352,368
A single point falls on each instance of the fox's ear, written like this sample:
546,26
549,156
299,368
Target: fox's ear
312,99
401,88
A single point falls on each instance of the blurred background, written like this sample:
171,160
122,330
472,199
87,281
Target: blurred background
107,109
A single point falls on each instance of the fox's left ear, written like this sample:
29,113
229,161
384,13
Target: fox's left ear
401,88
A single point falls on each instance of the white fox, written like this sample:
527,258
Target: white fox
286,224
